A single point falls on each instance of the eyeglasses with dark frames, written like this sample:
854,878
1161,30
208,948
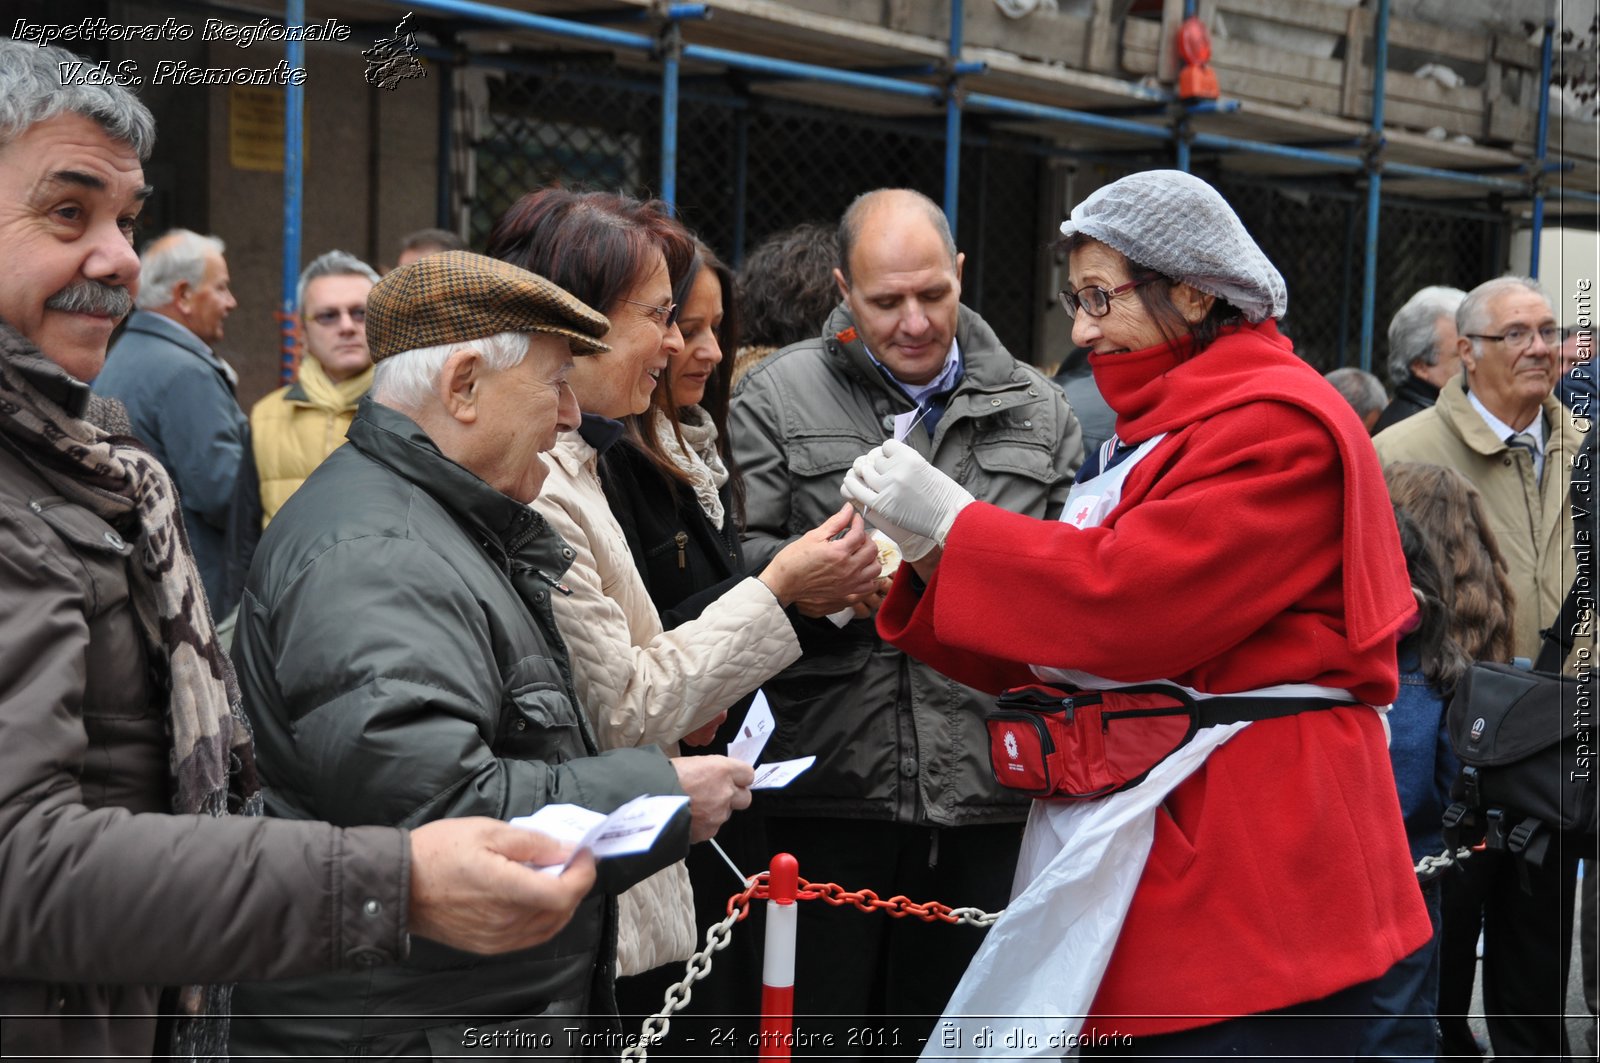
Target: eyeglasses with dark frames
665,316
1095,300
330,318
1520,337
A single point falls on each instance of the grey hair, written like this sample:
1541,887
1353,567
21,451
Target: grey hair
332,264
1363,391
405,380
32,90
1473,314
178,255
850,222
1413,335
433,240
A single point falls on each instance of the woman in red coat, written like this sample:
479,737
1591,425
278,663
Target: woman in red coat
1233,538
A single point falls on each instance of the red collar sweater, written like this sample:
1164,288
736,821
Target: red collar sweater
1253,546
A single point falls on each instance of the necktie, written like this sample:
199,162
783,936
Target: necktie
1526,442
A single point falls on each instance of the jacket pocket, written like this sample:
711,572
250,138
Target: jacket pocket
538,719
1027,456
824,455
1171,851
98,547
115,678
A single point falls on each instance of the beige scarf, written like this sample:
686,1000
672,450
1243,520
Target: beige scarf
700,460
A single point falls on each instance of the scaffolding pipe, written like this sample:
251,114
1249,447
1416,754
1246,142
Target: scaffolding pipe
1498,184
1369,269
952,118
294,17
1181,132
443,207
1541,144
671,60
673,13
784,68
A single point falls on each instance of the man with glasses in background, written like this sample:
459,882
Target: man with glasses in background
1501,427
293,429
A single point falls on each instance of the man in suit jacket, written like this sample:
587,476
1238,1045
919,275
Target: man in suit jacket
180,394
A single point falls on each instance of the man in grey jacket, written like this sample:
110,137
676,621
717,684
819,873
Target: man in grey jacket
180,394
124,762
401,663
901,799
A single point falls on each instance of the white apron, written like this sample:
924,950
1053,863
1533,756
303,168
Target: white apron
1076,873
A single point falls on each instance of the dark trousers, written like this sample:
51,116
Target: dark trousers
1462,892
1333,1028
1527,944
1405,998
878,984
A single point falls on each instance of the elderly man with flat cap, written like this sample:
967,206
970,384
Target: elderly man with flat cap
400,663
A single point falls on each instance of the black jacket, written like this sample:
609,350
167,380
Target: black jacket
686,562
1414,396
400,663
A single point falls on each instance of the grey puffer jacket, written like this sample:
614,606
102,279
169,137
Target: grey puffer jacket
105,897
400,663
894,739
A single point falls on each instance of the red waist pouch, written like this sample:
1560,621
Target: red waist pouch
1084,744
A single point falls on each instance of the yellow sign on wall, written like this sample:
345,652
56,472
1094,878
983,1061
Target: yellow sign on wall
255,128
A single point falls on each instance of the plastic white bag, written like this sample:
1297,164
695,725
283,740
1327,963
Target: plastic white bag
1044,957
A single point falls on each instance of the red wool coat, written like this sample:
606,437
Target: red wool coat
1254,546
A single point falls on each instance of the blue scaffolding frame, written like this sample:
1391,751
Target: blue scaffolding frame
670,50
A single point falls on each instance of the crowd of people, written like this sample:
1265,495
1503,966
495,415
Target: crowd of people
1154,655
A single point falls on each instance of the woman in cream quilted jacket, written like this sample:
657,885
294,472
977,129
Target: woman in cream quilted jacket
639,683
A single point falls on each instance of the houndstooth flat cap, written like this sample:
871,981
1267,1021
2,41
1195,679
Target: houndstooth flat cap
457,296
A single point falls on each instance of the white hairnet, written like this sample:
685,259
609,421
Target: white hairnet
1181,227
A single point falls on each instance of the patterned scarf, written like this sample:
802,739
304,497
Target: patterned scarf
699,459
212,759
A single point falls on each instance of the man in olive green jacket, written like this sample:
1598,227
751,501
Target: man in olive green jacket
901,798
1500,427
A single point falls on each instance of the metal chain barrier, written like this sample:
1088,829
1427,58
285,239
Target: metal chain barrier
1431,867
718,935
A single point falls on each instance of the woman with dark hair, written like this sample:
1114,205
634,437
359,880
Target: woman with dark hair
1215,864
676,491
642,684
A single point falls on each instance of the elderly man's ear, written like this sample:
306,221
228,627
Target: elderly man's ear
459,384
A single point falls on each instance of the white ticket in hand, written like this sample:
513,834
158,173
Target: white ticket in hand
784,772
633,828
757,727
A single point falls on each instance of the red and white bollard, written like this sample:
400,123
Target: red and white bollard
777,968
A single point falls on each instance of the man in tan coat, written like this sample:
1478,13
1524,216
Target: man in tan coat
1500,427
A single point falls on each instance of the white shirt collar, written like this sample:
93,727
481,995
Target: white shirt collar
1504,431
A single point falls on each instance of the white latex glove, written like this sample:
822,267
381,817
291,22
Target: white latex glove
904,497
